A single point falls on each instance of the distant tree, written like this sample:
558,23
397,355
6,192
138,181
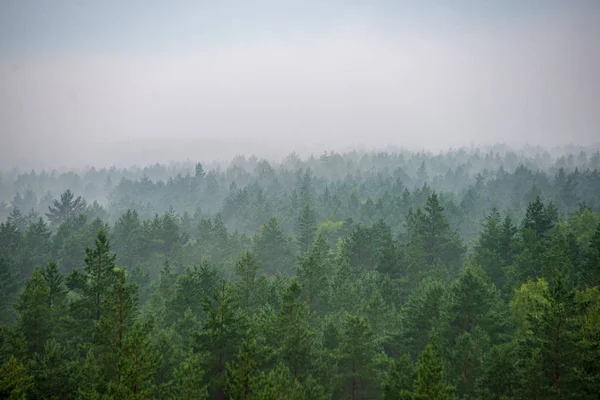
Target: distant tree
200,173
307,226
17,219
272,248
67,207
246,268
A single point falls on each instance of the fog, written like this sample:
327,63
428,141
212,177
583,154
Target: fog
369,78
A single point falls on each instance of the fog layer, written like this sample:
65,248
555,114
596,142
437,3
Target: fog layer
363,81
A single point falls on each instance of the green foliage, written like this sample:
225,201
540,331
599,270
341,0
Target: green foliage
32,306
99,267
66,208
15,381
430,377
359,275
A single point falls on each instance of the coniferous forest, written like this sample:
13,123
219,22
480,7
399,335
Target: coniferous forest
468,274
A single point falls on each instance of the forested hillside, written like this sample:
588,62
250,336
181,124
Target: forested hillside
468,274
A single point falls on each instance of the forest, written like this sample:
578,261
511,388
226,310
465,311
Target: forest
466,274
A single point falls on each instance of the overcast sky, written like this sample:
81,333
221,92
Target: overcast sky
118,81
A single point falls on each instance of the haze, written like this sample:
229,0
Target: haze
122,82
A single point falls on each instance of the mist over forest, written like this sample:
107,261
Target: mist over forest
299,200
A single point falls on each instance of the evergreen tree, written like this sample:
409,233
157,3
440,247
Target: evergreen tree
127,235
118,315
15,381
221,335
88,378
189,380
399,384
246,269
136,367
358,359
297,337
57,291
307,226
67,207
33,309
9,287
312,273
590,275
99,267
243,381
200,173
272,248
430,380
51,372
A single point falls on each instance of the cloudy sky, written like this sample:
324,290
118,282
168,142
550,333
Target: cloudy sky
119,81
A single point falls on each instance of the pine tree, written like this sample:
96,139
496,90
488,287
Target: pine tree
189,380
399,384
307,226
100,263
118,315
312,273
51,372
430,383
246,269
297,338
17,219
137,365
68,207
358,359
272,249
440,244
127,234
88,378
221,335
15,381
57,290
9,287
590,275
243,381
36,247
200,173
33,309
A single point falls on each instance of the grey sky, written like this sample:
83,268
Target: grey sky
87,82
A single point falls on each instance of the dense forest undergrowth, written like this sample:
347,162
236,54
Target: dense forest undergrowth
466,274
